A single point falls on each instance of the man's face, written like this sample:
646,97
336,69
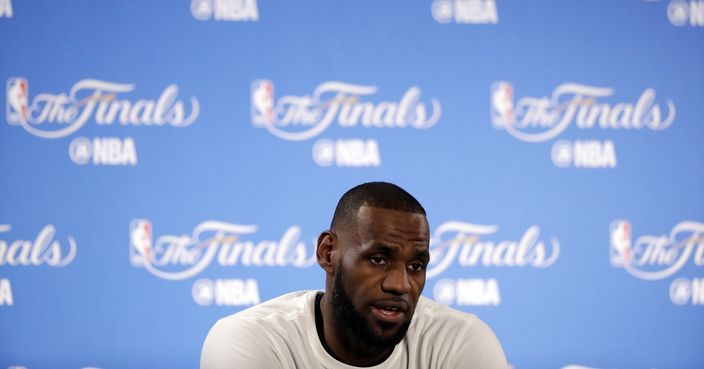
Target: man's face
381,274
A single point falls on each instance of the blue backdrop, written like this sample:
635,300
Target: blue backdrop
165,164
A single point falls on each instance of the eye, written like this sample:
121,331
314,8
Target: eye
378,260
416,267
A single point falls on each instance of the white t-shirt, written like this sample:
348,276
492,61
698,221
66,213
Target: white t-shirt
281,333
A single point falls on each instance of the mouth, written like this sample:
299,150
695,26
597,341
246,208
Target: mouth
389,312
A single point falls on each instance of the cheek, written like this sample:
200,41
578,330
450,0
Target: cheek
358,278
364,284
419,283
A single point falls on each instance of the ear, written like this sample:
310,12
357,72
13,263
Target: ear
325,252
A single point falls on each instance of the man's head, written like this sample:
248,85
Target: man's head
375,256
374,194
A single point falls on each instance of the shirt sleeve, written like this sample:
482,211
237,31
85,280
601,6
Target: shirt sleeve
238,344
478,348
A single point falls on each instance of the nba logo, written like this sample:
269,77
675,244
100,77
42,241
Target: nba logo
501,104
262,103
620,252
140,241
17,98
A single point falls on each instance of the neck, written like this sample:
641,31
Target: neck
344,345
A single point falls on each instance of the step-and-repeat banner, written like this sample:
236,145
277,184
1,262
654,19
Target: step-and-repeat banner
164,164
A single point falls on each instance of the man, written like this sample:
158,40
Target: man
371,313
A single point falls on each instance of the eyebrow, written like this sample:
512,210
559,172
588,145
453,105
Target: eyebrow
425,255
388,250
384,249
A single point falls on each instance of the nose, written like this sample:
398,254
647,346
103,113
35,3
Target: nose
396,281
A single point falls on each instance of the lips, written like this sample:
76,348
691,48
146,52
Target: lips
389,311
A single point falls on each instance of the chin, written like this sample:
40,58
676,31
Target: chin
382,334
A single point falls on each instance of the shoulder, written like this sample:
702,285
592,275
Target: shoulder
462,336
432,315
291,308
285,307
256,333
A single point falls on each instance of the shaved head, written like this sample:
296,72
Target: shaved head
375,194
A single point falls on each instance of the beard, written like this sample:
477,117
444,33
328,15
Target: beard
351,319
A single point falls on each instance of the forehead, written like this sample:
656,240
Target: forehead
387,225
